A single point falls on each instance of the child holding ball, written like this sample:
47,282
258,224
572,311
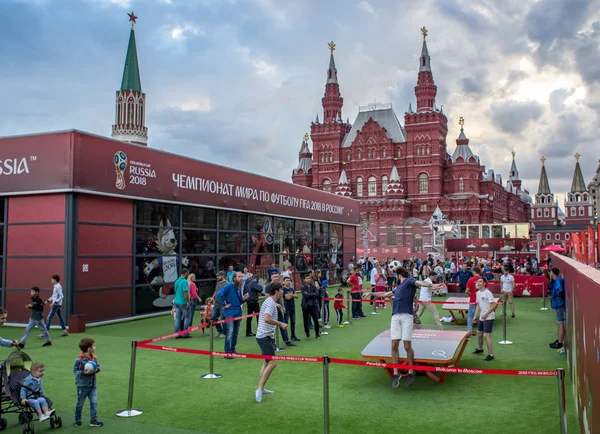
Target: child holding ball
85,370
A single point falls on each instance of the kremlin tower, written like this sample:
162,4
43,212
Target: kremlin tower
130,112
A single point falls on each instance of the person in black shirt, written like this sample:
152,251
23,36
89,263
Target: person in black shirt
290,296
310,306
254,291
37,318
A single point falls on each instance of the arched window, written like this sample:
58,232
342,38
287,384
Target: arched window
581,211
418,150
461,184
399,152
417,243
546,212
374,153
567,236
573,212
383,153
359,190
347,155
384,184
557,237
427,149
372,186
322,158
327,186
423,183
539,212
548,237
391,235
358,154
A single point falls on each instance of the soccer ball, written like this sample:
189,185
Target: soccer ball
526,293
90,367
440,292
394,265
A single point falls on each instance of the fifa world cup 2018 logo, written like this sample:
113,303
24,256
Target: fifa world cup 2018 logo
120,166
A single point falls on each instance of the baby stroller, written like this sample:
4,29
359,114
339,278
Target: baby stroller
13,371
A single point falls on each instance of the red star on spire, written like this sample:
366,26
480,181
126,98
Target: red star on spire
132,18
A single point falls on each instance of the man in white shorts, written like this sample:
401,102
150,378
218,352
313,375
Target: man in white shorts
425,301
508,285
402,318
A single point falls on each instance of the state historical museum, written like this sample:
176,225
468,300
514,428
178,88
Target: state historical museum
401,173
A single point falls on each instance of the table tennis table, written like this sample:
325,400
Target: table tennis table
432,347
458,310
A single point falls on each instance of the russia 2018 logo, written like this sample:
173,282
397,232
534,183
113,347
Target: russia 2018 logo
120,161
268,231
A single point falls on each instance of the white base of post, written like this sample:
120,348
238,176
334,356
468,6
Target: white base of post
210,376
129,413
505,343
278,350
347,323
375,313
323,333
543,308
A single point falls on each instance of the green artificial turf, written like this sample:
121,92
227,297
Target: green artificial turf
174,398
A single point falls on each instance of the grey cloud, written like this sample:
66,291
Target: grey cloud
568,135
474,85
549,20
513,116
558,97
465,16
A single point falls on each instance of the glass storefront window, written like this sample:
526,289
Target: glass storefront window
303,227
199,242
463,232
238,262
523,230
304,245
157,214
485,232
321,244
473,232
233,221
202,266
233,242
509,231
201,218
304,262
496,231
321,229
156,241
283,226
261,223
260,243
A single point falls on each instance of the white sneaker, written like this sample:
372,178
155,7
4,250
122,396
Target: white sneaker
267,391
44,417
326,326
259,394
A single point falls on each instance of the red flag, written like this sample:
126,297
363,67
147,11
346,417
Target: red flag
591,247
584,249
576,246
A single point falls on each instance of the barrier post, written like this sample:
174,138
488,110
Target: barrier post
130,412
348,309
543,298
562,404
323,332
326,394
211,359
504,341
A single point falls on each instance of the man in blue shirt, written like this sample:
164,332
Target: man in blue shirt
462,277
230,297
402,318
182,303
558,304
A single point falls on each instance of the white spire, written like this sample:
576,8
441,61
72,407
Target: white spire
394,175
343,178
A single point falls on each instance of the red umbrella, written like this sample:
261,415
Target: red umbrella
553,248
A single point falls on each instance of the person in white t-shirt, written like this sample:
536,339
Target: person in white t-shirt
508,285
425,302
487,306
285,273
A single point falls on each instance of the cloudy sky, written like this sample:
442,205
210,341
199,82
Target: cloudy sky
238,82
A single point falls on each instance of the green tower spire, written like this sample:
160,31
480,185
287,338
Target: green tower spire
131,73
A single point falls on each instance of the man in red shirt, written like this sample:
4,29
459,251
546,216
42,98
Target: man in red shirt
472,291
356,292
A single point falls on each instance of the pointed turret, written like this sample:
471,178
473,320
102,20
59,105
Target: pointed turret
317,120
302,174
578,184
343,186
395,189
462,146
514,173
332,101
425,90
130,113
544,186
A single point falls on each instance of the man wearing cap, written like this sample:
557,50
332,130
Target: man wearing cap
217,312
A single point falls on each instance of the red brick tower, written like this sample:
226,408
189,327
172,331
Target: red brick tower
327,136
578,203
130,113
425,149
513,175
544,213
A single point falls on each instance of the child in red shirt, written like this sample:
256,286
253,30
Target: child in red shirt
338,305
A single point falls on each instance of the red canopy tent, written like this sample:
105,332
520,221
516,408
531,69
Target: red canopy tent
553,248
